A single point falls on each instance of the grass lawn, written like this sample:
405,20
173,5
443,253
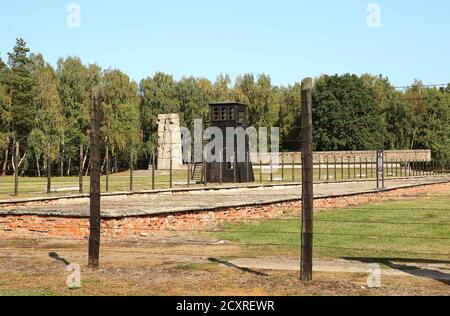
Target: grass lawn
414,228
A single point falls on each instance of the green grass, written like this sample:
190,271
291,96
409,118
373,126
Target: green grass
27,293
373,231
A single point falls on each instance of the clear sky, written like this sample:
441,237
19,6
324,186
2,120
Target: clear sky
287,39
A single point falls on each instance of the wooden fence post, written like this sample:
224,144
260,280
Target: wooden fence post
95,216
80,174
16,167
306,264
131,170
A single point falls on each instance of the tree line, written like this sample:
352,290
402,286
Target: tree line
44,112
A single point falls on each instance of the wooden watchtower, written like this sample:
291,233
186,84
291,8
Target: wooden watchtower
223,116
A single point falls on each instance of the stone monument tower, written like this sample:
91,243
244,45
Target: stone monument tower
169,142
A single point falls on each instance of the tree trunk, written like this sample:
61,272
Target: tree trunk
38,167
5,161
89,167
69,166
84,160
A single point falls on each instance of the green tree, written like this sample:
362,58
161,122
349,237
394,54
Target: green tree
289,118
194,96
74,91
120,112
346,114
5,117
394,110
264,110
21,89
433,129
158,96
222,89
47,134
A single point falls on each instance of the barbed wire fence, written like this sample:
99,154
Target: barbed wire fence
285,168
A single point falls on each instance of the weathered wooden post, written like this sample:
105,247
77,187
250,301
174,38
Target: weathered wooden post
107,169
153,171
260,169
188,174
221,169
171,173
349,170
131,169
205,172
49,170
80,174
247,167
95,216
320,169
16,167
335,169
271,168
306,263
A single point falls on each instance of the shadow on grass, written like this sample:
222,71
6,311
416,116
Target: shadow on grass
231,265
55,256
410,269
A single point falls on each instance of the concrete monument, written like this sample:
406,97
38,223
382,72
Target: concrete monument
169,142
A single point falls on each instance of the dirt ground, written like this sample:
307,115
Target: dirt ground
162,268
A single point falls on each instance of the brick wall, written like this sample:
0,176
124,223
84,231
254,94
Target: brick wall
25,226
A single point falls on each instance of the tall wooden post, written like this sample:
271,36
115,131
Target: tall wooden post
95,217
16,168
221,169
260,169
80,174
188,174
205,171
49,171
153,171
293,168
335,169
320,168
107,169
306,264
271,168
131,169
171,172
247,167
234,169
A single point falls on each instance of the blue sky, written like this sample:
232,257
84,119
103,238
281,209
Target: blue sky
286,39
